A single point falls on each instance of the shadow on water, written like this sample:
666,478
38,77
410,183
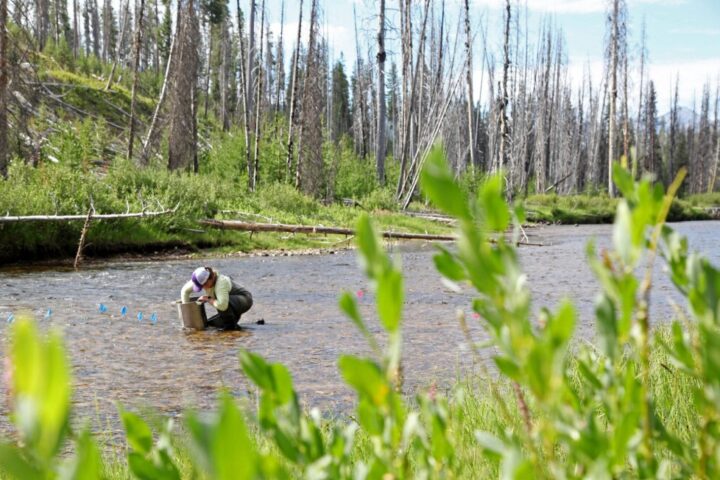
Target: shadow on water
129,359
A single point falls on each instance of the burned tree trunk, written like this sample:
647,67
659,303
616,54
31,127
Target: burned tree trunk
309,168
612,127
469,85
3,89
136,67
504,100
293,95
182,147
381,142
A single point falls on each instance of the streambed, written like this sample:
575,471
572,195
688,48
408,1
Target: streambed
151,362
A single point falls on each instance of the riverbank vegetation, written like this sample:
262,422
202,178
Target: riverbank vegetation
198,107
636,403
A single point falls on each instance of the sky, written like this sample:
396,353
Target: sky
682,36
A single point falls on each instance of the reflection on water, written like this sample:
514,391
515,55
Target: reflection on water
117,358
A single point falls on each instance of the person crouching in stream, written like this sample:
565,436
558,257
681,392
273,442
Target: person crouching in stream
230,299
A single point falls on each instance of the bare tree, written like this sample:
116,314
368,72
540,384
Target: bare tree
505,98
294,94
253,169
643,57
613,70
280,64
381,142
151,133
469,85
182,146
309,168
120,45
3,88
136,65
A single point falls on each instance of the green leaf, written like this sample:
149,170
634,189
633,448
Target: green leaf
143,468
562,324
282,381
13,465
365,377
233,453
87,463
439,185
372,257
490,443
256,368
495,209
589,375
447,265
508,367
624,181
138,432
41,383
390,297
622,234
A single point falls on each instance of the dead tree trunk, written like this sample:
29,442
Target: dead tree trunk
504,99
182,150
381,142
249,81
612,127
293,95
3,89
120,44
149,138
258,103
209,68
469,86
136,67
308,168
407,49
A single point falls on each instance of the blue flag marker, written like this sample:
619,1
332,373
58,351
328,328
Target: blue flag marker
102,308
139,316
153,318
123,311
48,314
10,318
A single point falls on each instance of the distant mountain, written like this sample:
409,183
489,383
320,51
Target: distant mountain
686,116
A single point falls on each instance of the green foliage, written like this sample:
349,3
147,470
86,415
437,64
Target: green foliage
634,406
40,392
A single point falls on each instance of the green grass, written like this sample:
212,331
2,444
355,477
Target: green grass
65,189
473,408
581,209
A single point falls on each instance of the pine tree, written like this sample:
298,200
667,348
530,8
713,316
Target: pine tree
165,34
341,119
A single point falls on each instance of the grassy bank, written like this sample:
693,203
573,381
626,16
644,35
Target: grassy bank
600,208
54,189
58,189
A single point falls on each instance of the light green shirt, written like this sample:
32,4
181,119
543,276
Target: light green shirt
220,293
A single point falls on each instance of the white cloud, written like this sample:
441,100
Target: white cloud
696,31
568,6
693,75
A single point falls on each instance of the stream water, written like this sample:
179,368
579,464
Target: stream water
152,362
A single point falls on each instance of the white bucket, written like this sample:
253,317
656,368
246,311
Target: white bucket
192,314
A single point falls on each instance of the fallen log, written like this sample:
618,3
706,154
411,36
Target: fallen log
70,218
279,227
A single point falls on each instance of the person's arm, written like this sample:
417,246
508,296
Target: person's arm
222,293
186,291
